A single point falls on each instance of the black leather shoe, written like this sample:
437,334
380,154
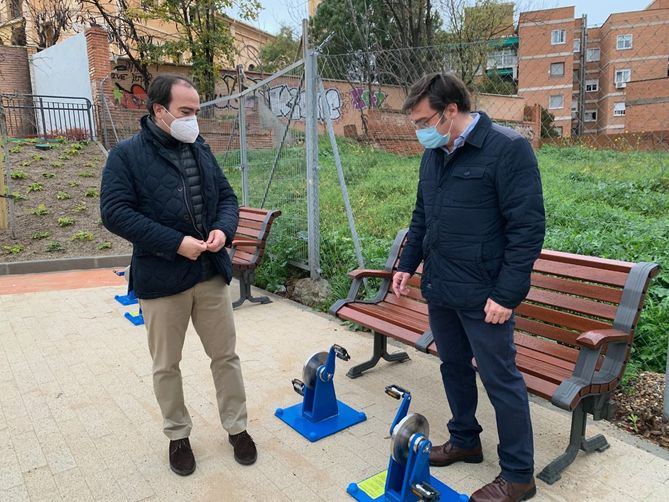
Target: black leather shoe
244,448
182,460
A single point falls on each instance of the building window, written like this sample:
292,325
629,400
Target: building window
591,85
624,42
577,45
619,109
558,37
622,77
557,69
502,59
558,131
592,54
574,107
555,102
590,116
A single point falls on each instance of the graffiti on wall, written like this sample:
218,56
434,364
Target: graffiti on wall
362,99
283,98
128,88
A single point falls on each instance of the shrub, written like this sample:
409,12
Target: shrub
92,192
104,245
83,236
65,221
35,187
79,207
18,175
63,196
54,246
44,234
13,249
85,174
49,175
40,210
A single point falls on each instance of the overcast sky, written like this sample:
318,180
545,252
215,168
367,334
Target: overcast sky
290,12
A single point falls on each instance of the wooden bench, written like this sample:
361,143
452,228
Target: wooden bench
573,336
248,249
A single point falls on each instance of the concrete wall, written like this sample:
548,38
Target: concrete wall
62,70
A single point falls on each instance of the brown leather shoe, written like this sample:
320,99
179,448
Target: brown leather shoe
182,460
244,448
501,490
446,454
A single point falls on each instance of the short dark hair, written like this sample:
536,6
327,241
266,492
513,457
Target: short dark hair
160,90
441,89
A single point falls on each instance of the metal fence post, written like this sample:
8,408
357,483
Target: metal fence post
243,145
311,143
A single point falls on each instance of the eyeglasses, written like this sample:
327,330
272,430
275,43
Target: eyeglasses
424,124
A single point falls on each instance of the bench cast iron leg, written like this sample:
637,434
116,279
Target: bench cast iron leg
577,441
380,351
245,281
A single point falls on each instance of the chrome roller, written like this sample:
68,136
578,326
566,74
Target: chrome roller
310,369
414,423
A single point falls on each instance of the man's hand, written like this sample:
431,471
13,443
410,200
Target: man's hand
215,241
495,313
192,248
400,280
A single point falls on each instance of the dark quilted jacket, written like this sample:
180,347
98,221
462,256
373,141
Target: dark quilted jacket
479,220
143,200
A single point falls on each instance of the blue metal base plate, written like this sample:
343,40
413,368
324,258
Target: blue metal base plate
373,490
137,319
126,300
346,417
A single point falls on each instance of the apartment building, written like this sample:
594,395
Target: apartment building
602,80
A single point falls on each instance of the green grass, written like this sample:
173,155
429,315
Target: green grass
598,202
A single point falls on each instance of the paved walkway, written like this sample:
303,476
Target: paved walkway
78,419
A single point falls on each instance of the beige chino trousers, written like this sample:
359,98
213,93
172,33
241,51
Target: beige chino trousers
208,305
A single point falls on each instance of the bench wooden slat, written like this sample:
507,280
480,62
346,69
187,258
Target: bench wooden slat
546,330
568,354
385,314
529,365
538,386
249,214
581,305
602,276
561,318
380,326
577,288
407,303
588,261
250,224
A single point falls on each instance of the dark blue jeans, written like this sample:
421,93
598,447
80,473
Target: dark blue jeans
459,336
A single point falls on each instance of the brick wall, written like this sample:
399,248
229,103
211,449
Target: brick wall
15,79
624,142
647,105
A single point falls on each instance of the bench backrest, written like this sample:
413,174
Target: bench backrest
570,294
254,225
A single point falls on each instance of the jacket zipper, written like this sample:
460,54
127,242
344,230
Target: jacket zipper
183,180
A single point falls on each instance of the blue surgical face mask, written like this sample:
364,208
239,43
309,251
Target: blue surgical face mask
430,137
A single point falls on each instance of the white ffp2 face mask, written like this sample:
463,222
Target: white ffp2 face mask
184,129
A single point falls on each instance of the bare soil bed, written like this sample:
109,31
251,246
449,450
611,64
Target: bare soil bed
57,203
639,408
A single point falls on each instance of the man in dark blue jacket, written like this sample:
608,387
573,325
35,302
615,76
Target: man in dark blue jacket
478,226
163,191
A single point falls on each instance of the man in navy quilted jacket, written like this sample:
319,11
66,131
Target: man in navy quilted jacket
478,226
163,191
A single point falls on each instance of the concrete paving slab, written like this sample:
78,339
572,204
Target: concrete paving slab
78,419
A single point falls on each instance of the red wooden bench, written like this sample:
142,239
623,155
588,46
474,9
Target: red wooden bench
574,332
248,249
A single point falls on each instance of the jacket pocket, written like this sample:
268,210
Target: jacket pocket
468,184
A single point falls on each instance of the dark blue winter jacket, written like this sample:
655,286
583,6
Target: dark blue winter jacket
143,200
479,220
